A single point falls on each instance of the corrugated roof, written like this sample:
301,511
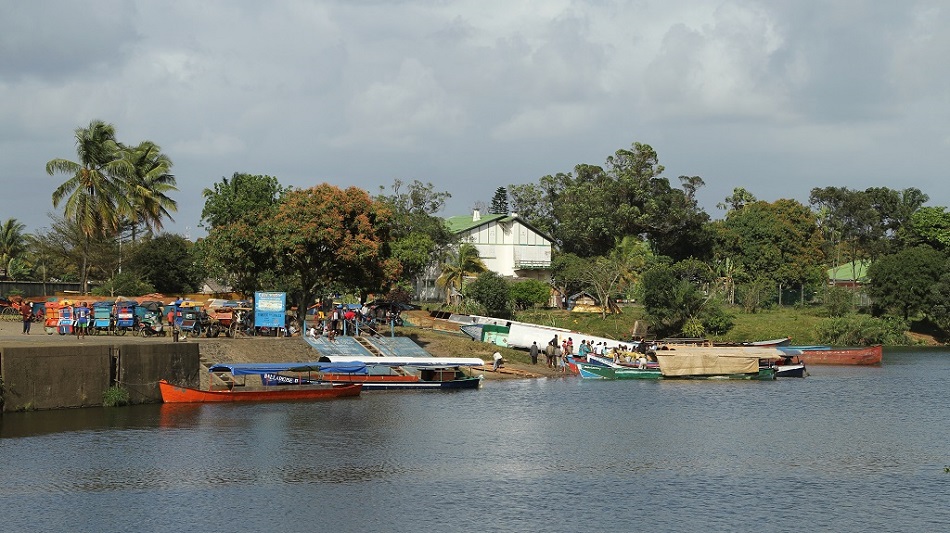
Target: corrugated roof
458,224
853,271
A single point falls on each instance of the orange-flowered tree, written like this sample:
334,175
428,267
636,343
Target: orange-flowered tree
330,240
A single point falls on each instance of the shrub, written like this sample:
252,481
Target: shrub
863,330
115,396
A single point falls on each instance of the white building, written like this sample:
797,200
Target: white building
507,244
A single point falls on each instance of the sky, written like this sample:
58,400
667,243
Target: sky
777,97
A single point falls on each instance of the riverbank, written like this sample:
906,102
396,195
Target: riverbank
294,349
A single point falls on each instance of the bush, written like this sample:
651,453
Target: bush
837,301
115,396
491,291
863,330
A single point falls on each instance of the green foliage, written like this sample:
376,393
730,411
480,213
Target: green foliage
902,283
931,226
837,301
756,295
669,300
492,291
499,202
418,236
461,262
238,249
115,396
778,241
594,207
530,293
124,284
693,327
863,330
168,263
715,319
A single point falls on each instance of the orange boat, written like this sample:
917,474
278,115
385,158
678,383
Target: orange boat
872,355
238,392
175,394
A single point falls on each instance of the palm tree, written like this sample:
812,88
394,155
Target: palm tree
93,195
146,180
12,244
461,263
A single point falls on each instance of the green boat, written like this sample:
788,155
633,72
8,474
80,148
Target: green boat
592,371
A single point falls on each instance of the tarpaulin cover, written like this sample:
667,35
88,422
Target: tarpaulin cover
250,369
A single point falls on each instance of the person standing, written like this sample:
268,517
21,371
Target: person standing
26,311
82,317
533,351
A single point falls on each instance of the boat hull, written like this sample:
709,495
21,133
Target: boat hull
175,394
593,371
409,382
872,355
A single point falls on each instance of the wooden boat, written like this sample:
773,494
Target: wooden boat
596,371
790,366
239,392
871,355
407,373
697,362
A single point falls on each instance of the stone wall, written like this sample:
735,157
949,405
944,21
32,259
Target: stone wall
52,377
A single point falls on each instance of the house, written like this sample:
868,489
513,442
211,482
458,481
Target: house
508,245
849,275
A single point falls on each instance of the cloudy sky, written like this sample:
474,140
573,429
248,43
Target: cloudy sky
774,96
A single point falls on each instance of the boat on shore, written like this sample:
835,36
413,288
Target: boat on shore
237,389
407,373
871,355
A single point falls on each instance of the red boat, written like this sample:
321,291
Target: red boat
240,392
175,394
871,355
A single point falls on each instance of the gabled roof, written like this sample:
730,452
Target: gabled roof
853,271
461,223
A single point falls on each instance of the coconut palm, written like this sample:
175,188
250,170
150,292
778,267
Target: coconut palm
146,180
12,244
461,262
93,194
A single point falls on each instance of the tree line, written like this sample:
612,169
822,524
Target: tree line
622,231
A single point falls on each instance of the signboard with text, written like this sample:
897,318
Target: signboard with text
270,309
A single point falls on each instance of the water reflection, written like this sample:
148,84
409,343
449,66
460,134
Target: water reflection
855,449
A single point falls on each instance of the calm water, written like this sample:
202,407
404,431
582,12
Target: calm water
846,449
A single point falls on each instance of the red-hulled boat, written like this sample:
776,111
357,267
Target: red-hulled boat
872,355
239,392
175,394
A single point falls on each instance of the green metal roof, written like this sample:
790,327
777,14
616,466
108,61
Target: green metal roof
853,271
461,223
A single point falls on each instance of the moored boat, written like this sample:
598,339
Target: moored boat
691,362
407,373
596,371
240,392
871,355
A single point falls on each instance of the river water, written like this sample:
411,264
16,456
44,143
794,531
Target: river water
846,449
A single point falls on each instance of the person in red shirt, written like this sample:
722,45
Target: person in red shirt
26,311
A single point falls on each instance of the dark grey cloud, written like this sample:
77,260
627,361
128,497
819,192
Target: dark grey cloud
776,97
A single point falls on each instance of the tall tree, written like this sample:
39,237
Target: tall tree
147,180
902,283
238,247
778,241
167,262
329,239
418,236
499,202
92,193
12,244
461,262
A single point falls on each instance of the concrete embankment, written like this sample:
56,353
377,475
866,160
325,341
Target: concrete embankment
77,374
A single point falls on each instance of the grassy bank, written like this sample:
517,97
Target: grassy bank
797,323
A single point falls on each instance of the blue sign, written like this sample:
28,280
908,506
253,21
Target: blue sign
270,309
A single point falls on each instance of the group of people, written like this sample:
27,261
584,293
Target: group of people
340,320
556,353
